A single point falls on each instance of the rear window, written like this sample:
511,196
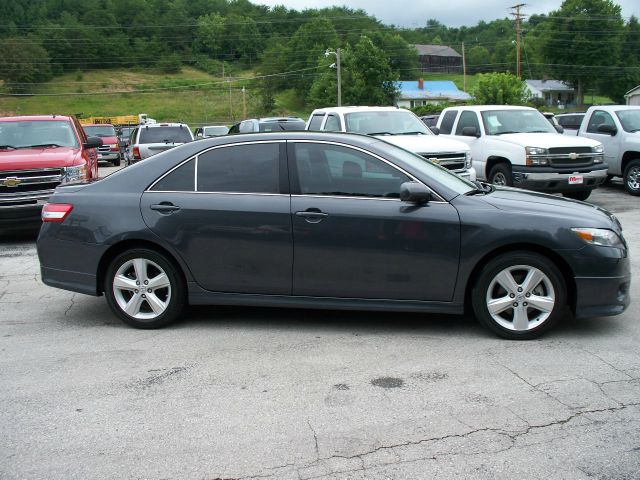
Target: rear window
447,122
570,122
100,130
316,121
165,135
280,126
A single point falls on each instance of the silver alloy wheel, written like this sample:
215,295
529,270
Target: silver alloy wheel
142,289
500,179
520,298
633,178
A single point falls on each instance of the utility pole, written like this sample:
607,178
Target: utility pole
339,71
518,16
464,69
244,103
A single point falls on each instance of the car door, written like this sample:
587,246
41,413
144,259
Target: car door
469,118
611,143
354,238
225,213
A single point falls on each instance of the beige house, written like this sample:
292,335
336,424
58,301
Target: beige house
633,96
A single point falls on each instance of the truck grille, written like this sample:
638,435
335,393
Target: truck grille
104,149
25,187
571,156
454,161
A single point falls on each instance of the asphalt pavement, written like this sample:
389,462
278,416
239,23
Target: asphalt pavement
231,393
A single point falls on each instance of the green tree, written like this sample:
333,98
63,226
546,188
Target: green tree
23,62
209,34
576,47
367,78
477,59
628,71
500,89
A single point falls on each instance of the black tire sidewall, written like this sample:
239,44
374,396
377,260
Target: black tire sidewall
178,289
505,170
575,195
632,163
488,273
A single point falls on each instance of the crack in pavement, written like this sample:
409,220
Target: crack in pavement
315,439
513,436
535,387
73,302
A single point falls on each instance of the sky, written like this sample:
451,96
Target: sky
414,13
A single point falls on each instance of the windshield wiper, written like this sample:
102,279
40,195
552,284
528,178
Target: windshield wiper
7,147
504,133
379,133
414,133
539,131
43,145
481,189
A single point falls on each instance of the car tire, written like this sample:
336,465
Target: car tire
116,163
522,314
607,179
631,177
581,195
500,174
165,295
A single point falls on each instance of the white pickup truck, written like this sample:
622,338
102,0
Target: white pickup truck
617,127
517,146
400,127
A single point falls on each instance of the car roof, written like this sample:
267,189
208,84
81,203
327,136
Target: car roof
31,118
568,114
483,108
352,109
279,119
614,108
153,125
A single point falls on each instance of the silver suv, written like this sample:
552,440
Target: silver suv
147,140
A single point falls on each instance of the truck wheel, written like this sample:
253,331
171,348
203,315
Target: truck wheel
144,289
519,295
116,163
631,177
581,195
501,175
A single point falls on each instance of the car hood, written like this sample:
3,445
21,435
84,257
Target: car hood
545,140
425,143
35,158
109,140
578,214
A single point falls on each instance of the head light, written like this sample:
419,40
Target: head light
74,174
598,148
467,160
536,156
599,236
536,151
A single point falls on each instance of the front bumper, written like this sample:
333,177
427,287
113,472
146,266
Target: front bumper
543,179
22,214
469,174
108,156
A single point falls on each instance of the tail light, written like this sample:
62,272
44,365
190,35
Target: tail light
56,212
136,153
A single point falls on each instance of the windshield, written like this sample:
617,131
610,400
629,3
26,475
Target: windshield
630,120
25,134
280,126
126,131
385,122
165,135
499,122
430,170
100,130
215,131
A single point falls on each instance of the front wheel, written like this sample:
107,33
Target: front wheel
581,195
501,175
116,162
631,177
519,295
144,289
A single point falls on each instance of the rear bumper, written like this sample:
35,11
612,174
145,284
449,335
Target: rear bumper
552,180
68,280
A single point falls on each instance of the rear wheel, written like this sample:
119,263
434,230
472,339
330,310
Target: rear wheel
631,177
578,194
144,289
500,174
519,295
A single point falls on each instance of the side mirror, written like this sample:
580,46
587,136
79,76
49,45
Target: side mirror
610,129
559,128
435,130
414,192
470,132
93,142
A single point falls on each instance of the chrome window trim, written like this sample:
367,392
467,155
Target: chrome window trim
374,155
221,193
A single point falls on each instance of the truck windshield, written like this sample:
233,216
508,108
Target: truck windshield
630,120
165,135
44,133
499,122
385,122
215,131
100,130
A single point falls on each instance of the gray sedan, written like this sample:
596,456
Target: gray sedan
339,221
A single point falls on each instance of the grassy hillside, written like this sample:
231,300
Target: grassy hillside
93,95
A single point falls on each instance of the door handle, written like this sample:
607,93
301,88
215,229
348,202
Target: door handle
312,215
165,207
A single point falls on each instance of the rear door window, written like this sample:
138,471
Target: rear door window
182,179
164,135
332,124
316,121
447,122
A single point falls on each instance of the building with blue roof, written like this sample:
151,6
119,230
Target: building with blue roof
416,93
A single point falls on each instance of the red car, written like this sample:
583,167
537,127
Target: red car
38,153
110,149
